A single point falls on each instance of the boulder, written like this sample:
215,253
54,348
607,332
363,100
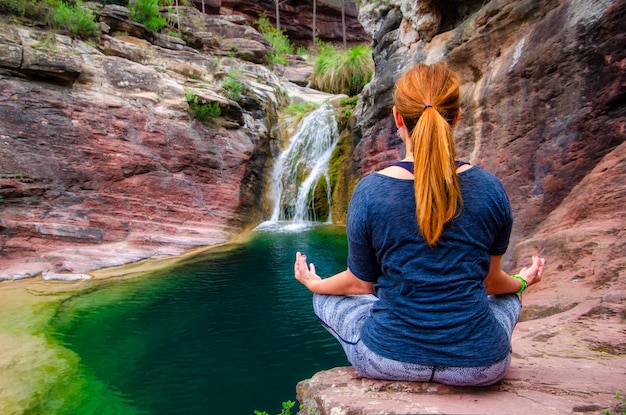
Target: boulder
117,20
38,54
221,36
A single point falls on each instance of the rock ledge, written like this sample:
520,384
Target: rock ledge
557,368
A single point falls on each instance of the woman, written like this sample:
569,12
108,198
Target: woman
427,235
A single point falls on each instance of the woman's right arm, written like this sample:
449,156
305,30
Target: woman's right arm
343,283
499,282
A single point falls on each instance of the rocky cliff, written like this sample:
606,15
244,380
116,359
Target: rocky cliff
543,107
296,18
102,163
543,87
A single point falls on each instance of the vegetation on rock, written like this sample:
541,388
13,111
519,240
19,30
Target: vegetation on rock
232,84
77,19
342,72
147,13
201,109
287,405
277,38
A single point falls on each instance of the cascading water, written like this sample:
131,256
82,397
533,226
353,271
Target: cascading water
300,168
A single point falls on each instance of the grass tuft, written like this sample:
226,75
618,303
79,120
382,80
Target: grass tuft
342,72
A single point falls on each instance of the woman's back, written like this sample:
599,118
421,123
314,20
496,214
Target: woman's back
433,306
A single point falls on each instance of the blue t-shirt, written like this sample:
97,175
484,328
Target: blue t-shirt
432,307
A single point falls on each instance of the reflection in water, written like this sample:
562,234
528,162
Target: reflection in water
227,333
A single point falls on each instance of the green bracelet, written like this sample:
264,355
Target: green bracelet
524,283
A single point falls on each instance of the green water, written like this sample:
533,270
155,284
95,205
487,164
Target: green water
225,334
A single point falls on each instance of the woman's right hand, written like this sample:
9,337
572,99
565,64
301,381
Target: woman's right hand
532,274
303,272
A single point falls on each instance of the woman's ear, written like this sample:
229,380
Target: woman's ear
397,117
455,120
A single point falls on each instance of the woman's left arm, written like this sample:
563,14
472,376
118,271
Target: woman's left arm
499,282
343,283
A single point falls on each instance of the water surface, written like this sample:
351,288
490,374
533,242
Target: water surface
230,332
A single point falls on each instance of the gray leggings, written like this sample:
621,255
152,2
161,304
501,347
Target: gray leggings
343,317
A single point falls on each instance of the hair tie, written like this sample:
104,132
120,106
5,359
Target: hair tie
427,106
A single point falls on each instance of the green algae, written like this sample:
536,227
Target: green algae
38,375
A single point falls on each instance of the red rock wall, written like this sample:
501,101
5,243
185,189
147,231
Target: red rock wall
543,96
82,170
296,18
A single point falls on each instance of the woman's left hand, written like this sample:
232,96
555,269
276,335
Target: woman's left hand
533,273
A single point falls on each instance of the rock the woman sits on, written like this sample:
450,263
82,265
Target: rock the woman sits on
424,296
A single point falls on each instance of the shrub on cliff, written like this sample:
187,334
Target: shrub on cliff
342,72
277,38
202,110
147,13
76,19
232,84
32,9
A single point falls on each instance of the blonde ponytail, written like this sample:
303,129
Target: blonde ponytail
428,99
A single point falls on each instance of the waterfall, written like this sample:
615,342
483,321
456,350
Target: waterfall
301,167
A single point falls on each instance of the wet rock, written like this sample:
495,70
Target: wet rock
78,159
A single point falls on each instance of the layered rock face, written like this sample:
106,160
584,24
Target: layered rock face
543,87
296,18
543,106
102,162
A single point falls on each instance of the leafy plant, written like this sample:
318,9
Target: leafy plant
32,9
620,408
285,411
302,51
202,110
147,13
58,14
277,38
232,84
19,175
349,104
76,19
48,43
342,72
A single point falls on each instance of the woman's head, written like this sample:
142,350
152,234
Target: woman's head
427,98
425,86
